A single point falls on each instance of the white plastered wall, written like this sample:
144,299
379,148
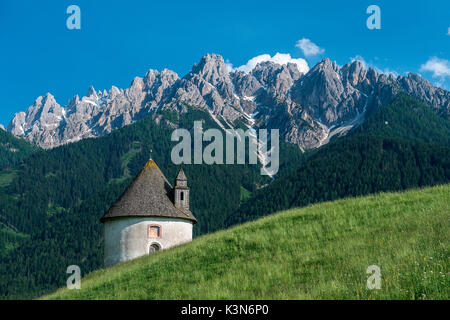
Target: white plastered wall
127,238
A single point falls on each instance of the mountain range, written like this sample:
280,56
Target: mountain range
308,108
396,131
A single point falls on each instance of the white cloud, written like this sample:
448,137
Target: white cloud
387,71
280,58
309,48
439,67
228,65
368,65
448,31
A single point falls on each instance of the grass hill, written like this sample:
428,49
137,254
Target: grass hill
318,252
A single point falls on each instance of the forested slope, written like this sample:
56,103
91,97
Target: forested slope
402,146
55,198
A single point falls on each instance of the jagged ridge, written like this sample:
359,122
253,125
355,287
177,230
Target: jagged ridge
308,109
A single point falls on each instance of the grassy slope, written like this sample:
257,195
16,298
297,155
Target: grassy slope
321,251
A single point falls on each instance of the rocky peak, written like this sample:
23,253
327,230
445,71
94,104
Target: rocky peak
44,105
414,80
113,92
92,94
372,76
135,91
150,77
211,68
320,89
325,70
245,84
137,83
307,108
353,73
208,85
157,83
265,71
422,89
169,76
277,79
327,64
293,71
45,114
74,101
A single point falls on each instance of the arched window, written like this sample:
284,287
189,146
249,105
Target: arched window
182,196
154,247
154,231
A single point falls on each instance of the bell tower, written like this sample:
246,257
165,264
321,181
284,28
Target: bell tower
181,191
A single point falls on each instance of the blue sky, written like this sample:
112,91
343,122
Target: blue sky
119,40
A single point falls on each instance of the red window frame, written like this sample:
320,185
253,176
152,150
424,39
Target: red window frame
159,231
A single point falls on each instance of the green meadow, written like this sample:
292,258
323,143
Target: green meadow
316,252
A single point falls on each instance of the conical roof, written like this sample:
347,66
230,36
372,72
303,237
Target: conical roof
149,195
181,176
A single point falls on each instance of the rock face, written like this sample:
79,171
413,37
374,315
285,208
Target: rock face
308,109
41,121
49,125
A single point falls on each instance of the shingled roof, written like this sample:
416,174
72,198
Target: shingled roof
149,195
